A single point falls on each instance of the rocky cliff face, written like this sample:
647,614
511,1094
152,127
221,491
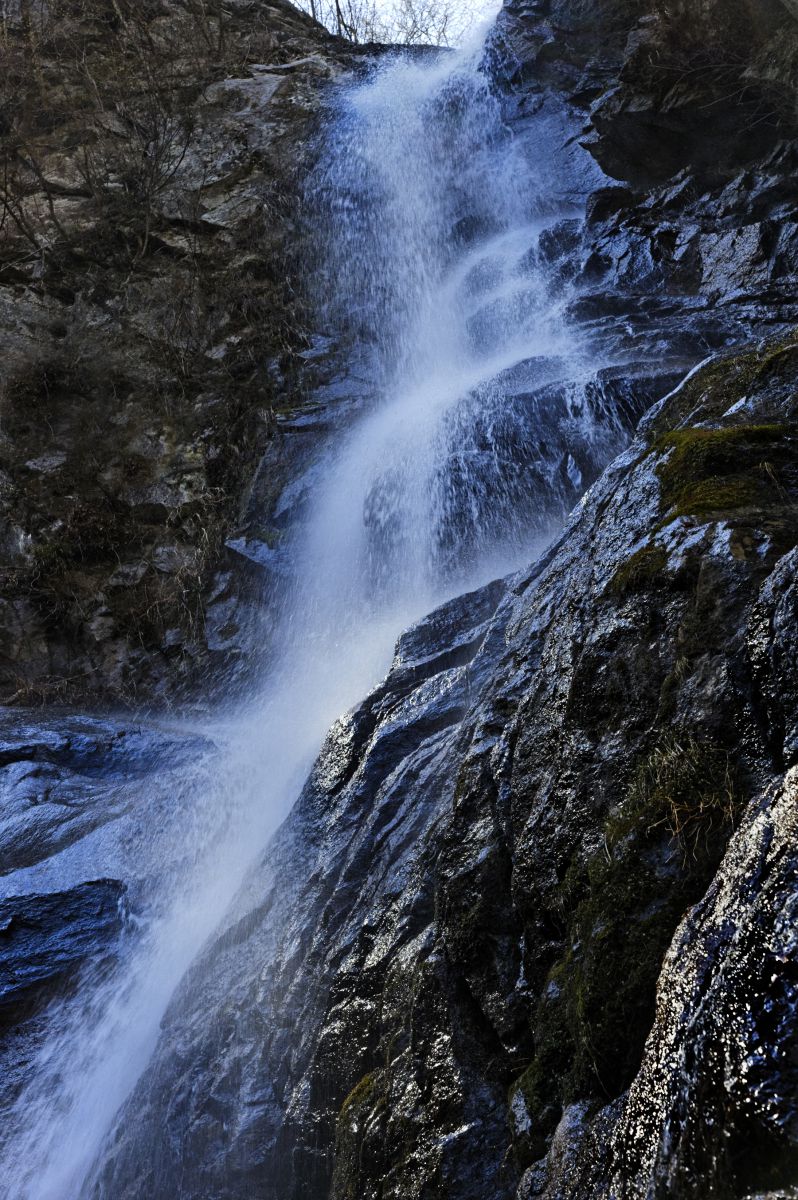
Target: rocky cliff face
529,931
160,382
695,214
153,333
467,916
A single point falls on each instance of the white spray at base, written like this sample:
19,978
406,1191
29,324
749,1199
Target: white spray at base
430,216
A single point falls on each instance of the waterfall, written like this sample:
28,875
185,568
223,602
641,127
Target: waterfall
430,221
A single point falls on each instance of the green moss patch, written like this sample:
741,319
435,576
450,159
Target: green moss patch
707,471
362,1093
643,570
726,494
359,1148
701,451
708,394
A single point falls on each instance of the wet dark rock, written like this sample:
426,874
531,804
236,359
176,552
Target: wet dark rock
606,203
467,914
530,929
693,244
45,940
62,779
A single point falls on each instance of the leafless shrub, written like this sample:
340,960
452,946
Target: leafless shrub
109,85
742,63
405,22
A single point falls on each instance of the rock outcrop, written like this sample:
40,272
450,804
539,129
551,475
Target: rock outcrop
51,946
45,939
698,230
527,932
62,780
65,784
154,334
466,917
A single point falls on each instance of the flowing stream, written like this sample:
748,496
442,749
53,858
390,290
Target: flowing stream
431,219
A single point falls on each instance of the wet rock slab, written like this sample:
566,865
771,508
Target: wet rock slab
62,779
446,964
44,940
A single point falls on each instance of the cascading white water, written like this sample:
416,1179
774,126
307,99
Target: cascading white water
432,216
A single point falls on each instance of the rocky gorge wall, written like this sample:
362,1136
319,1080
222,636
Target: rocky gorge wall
529,930
473,986
153,330
161,376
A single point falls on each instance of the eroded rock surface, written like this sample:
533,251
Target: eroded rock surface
61,780
529,931
45,939
445,972
156,344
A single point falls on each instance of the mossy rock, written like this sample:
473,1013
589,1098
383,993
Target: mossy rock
361,1094
708,472
644,569
724,495
356,1152
621,908
709,393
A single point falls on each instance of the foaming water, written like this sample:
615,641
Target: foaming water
430,219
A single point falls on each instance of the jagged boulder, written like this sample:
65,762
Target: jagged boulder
45,939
